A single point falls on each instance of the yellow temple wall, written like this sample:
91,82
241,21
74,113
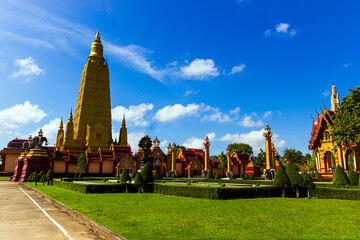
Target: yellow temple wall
59,166
217,171
10,162
179,168
72,168
235,170
94,167
108,167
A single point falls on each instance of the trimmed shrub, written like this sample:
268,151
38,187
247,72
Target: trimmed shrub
340,177
163,181
353,178
139,182
194,181
43,179
80,175
147,174
295,179
188,183
209,175
241,175
169,175
217,176
246,176
133,175
318,175
222,185
251,176
281,179
124,177
49,177
38,177
105,180
308,183
29,179
95,188
75,175
173,175
337,193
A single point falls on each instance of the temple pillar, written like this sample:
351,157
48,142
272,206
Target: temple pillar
340,157
173,157
268,148
322,162
228,161
206,144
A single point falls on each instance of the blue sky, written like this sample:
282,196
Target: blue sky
180,70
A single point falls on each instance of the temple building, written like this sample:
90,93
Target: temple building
327,155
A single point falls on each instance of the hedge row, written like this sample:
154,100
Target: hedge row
6,174
95,188
245,181
337,193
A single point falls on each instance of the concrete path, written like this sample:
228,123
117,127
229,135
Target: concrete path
21,218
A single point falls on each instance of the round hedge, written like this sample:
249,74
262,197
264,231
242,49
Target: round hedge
340,177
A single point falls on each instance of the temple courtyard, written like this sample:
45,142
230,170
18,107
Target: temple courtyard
155,216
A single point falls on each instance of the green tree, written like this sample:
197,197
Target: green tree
147,174
353,178
43,179
295,178
180,147
347,121
340,177
293,156
222,158
209,175
139,182
261,159
49,177
125,179
240,148
29,179
308,183
34,177
81,164
281,179
38,177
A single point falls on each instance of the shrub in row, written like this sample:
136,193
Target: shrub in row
337,193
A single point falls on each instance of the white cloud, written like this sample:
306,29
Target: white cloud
197,143
20,114
170,113
267,114
326,93
200,69
267,33
133,140
49,130
27,68
237,69
133,115
254,138
281,29
216,116
346,65
235,111
248,122
26,40
191,92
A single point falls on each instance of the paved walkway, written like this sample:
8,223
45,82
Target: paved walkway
20,218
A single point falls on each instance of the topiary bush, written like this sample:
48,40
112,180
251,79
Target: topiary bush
308,183
139,182
147,174
222,185
173,174
246,176
49,177
80,175
251,176
209,175
281,179
296,180
43,179
318,175
75,175
188,183
217,176
163,181
340,177
353,178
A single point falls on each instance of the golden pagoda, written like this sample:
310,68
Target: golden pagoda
91,127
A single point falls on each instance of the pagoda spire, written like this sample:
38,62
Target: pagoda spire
60,136
70,116
123,134
335,101
69,132
96,53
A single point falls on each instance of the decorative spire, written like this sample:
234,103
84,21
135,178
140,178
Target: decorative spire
70,119
61,126
97,36
335,101
123,122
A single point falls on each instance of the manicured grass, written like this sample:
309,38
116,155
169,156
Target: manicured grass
154,216
4,178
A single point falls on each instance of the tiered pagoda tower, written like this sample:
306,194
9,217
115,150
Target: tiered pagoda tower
91,127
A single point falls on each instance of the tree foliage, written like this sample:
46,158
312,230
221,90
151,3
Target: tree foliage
209,175
240,148
281,179
81,163
353,178
261,159
49,177
296,180
347,121
293,156
138,181
43,179
308,183
147,174
340,177
125,178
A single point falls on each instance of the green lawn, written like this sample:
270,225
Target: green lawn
4,178
154,216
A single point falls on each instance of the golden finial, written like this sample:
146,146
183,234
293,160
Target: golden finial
70,119
97,36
